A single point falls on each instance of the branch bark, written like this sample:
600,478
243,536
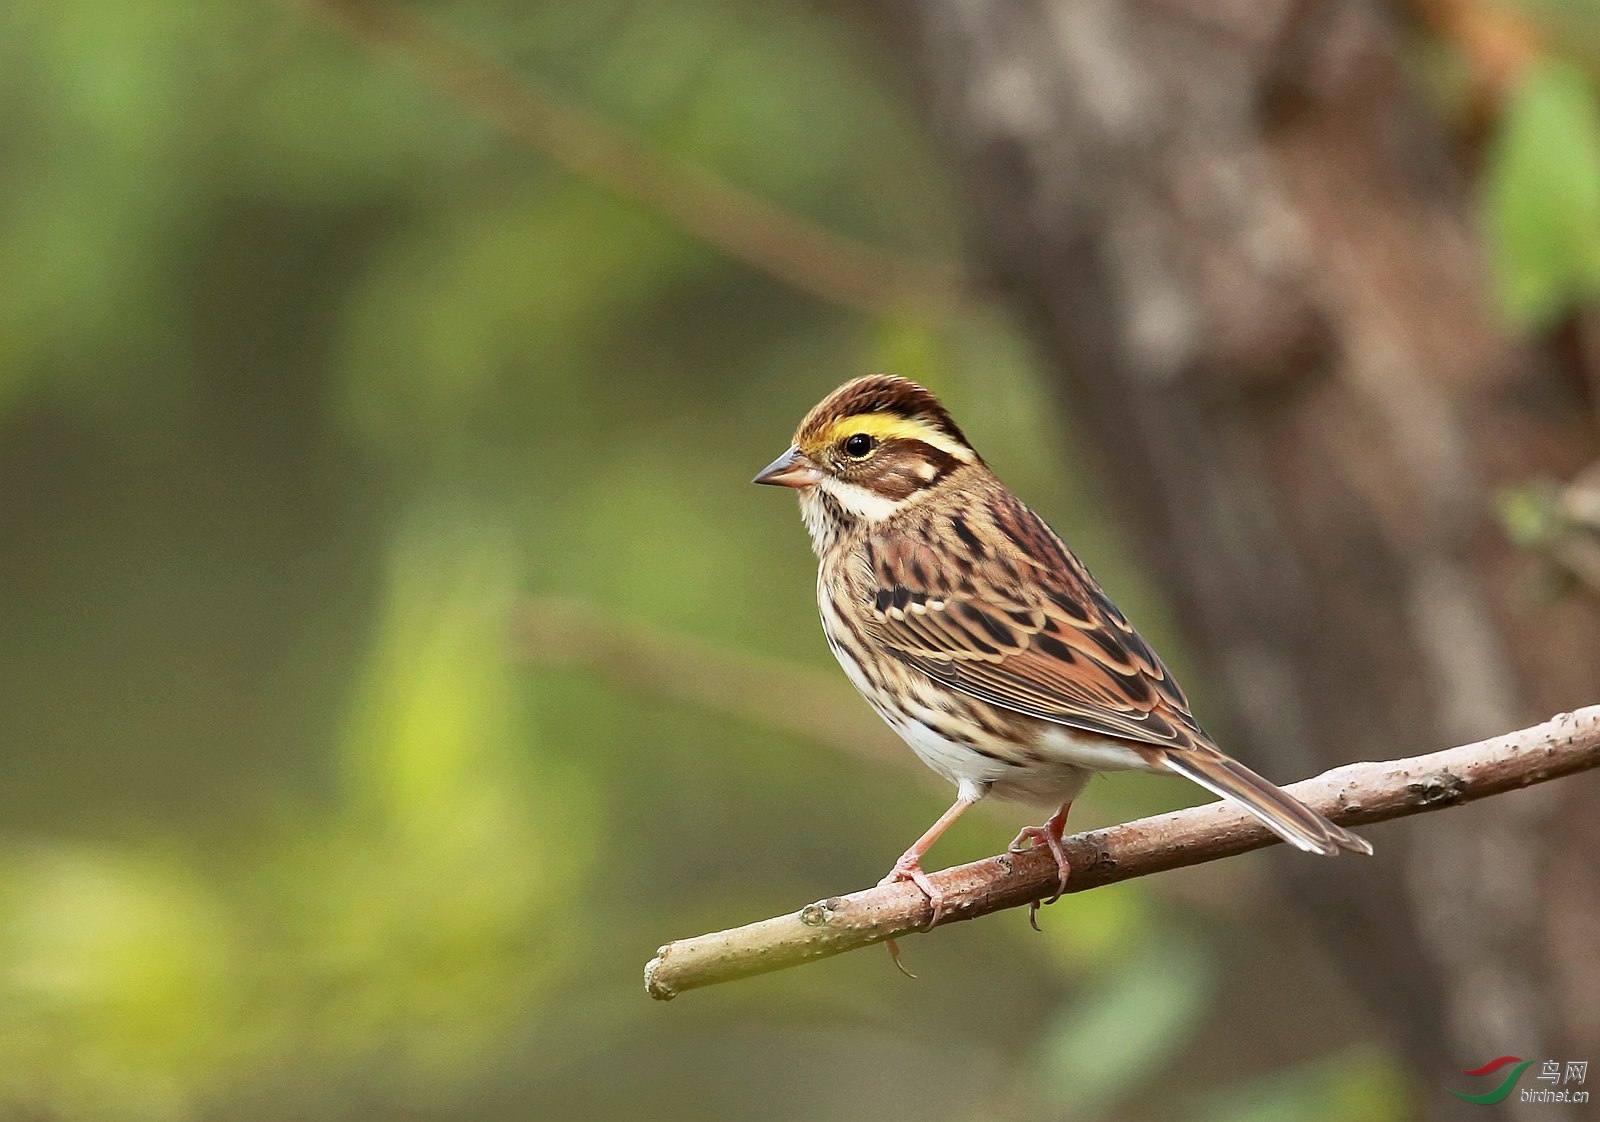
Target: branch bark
1352,795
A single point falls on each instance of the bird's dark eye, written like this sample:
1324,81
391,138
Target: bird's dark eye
858,446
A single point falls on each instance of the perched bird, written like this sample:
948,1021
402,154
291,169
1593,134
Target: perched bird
977,634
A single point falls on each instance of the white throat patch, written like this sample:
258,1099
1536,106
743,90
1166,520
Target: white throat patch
858,501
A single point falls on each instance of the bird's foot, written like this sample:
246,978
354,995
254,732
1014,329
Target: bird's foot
1048,836
909,867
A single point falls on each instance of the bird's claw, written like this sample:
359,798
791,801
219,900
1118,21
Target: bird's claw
894,953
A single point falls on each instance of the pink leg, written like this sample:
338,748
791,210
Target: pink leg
909,867
1048,835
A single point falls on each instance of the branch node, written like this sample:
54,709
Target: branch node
1440,789
818,914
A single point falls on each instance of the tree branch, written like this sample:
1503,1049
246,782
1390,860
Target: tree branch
1352,795
727,218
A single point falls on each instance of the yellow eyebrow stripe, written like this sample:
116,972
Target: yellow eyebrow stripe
889,426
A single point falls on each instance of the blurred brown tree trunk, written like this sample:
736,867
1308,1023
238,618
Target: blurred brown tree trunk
1237,236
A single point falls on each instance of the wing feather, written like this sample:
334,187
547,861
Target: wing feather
1003,612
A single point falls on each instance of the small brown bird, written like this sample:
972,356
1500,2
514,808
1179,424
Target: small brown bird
978,635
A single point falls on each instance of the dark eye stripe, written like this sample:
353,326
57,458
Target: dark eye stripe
899,468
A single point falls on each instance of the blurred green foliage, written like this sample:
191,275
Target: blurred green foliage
306,377
144,981
1543,196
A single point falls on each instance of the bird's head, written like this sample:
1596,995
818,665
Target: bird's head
869,448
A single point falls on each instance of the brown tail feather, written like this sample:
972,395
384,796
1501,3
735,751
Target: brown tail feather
1283,814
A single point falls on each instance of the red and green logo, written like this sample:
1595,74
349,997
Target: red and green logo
1500,1092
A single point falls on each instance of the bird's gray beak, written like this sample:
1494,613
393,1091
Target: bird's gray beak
792,469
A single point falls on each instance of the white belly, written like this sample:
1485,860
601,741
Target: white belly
1085,749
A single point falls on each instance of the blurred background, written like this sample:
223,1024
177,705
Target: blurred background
393,652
